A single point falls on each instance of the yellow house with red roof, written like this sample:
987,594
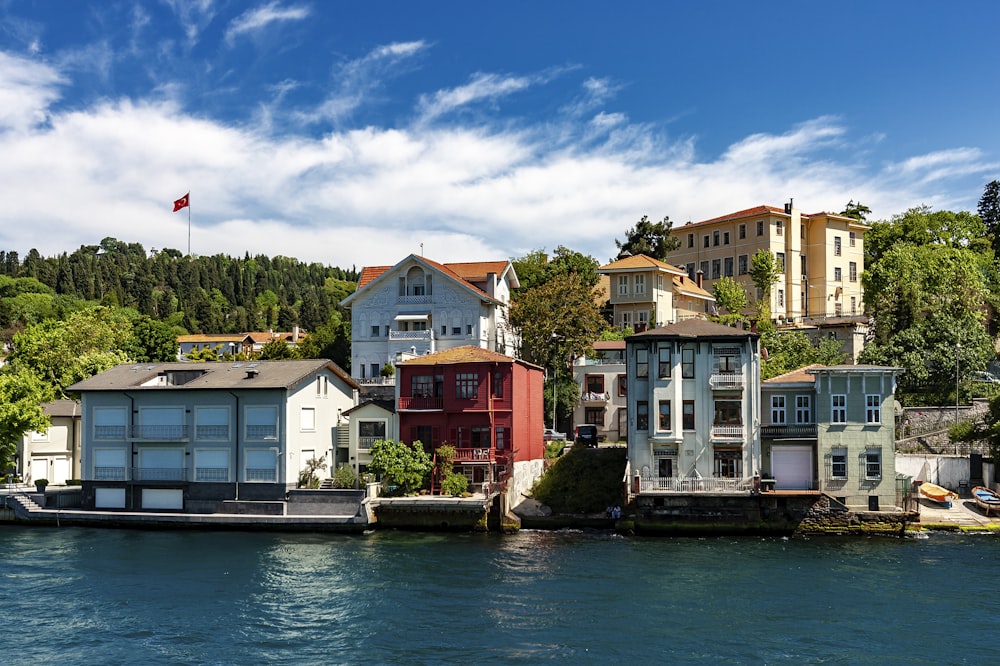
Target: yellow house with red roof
419,306
645,293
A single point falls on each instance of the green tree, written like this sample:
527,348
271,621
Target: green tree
650,238
21,397
791,350
535,269
402,465
332,340
731,297
152,341
858,211
309,476
765,272
989,212
277,350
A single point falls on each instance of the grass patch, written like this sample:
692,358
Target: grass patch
583,481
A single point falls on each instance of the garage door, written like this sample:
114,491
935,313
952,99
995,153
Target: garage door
792,467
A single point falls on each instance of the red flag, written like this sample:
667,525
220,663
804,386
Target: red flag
183,202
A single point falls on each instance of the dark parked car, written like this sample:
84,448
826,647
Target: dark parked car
586,435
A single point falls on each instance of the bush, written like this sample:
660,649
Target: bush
555,448
455,485
344,477
308,478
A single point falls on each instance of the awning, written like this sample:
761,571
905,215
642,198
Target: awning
412,317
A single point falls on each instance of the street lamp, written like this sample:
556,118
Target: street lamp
958,347
555,368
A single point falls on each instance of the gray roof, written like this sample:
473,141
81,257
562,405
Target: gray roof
62,408
221,375
694,328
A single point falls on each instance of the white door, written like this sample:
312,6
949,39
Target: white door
792,467
40,469
60,471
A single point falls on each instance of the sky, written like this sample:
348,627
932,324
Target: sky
356,133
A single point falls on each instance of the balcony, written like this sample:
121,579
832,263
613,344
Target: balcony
160,433
109,473
375,381
261,475
594,398
424,336
694,485
159,474
216,474
418,403
421,299
727,433
798,431
262,432
365,443
474,455
727,381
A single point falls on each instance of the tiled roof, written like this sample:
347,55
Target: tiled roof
686,285
464,354
211,337
369,273
638,262
695,328
800,376
476,271
220,375
609,345
469,272
749,212
62,408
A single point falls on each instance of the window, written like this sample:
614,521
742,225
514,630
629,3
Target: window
500,438
716,269
779,259
626,319
642,363
622,385
873,464
261,466
852,271
779,227
687,362
211,465
375,369
640,284
854,305
715,238
803,409
703,267
109,423
375,330
444,329
725,238
663,363
307,419
777,410
262,422
707,241
760,227
837,248
852,237
467,386
421,386
688,415
728,412
468,329
729,464
498,384
665,415
322,386
838,464
594,415
109,464
838,276
642,415
742,233
595,384
623,285
211,423
480,437
665,467
838,408
727,359
161,423
838,309
690,270
727,267
781,298
690,240
873,408
743,263
370,432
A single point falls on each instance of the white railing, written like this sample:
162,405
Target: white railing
727,380
695,485
261,474
594,396
375,381
211,474
366,442
727,432
415,300
411,335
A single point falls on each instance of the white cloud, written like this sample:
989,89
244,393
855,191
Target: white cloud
261,17
481,87
371,195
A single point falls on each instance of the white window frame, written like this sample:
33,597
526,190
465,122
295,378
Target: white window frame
203,455
873,409
110,418
838,247
873,464
203,416
256,413
778,410
838,408
838,464
246,465
623,285
640,285
307,419
803,409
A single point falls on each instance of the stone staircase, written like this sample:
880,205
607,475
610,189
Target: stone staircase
23,504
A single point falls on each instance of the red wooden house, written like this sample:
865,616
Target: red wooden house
486,405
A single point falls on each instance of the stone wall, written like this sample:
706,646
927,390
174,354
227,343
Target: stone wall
828,516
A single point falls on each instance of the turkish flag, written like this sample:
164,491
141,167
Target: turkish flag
183,202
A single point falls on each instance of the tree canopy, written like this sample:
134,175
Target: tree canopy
650,238
399,464
21,397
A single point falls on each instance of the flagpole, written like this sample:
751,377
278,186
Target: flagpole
189,223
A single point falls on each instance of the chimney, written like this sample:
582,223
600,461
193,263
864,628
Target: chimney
491,284
789,206
295,334
701,278
252,373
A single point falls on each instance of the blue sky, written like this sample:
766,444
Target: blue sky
350,133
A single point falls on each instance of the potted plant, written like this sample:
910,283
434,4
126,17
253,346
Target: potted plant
40,484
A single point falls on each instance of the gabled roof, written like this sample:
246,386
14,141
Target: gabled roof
757,211
212,337
469,275
386,405
464,354
62,408
694,328
640,262
688,287
800,376
220,375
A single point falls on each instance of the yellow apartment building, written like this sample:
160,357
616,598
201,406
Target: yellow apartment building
821,257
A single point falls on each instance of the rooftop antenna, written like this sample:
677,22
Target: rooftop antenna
421,249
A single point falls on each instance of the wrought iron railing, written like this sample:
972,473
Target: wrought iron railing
159,474
411,335
109,432
160,433
211,432
262,432
109,473
262,474
796,431
216,474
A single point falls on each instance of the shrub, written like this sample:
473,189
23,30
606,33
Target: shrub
308,478
455,485
344,477
554,449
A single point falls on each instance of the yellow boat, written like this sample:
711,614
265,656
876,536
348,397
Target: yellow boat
938,494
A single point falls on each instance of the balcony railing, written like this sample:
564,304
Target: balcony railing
695,485
109,473
262,474
212,474
473,455
727,432
797,431
262,432
592,396
411,335
109,432
415,300
375,381
159,474
212,432
727,381
160,433
366,442
420,403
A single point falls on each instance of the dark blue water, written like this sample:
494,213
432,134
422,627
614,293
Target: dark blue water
108,596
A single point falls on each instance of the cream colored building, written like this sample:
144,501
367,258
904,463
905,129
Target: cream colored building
821,256
645,293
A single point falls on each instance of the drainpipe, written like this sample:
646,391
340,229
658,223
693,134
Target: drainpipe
237,438
130,482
